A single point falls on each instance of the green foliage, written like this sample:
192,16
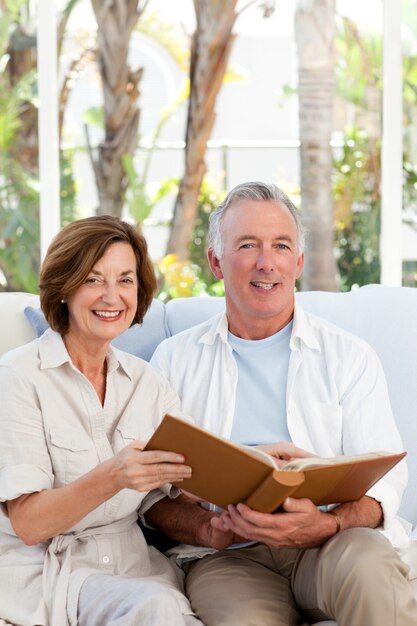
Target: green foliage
142,196
359,62
94,116
410,183
357,210
19,223
19,190
19,231
140,201
180,279
19,193
193,277
68,188
357,168
209,198
169,36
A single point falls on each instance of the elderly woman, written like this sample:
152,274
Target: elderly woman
74,414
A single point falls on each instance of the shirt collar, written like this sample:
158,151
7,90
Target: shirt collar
302,329
218,328
118,358
53,353
52,350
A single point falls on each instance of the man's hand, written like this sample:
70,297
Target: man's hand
220,538
302,525
284,451
184,520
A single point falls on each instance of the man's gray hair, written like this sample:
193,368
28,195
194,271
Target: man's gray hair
258,192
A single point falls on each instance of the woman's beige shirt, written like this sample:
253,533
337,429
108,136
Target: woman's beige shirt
53,429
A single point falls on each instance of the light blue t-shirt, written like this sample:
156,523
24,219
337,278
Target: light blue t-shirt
261,408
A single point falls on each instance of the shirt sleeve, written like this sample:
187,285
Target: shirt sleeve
25,465
172,403
160,360
155,496
368,424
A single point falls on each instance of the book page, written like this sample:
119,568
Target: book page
259,454
302,464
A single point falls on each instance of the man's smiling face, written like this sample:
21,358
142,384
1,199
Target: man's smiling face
260,263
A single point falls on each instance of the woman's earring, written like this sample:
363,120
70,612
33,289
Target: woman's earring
62,301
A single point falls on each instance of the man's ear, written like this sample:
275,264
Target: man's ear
214,263
300,264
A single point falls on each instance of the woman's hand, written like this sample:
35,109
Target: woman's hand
52,511
143,471
284,451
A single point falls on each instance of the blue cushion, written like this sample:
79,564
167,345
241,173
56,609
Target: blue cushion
37,319
140,339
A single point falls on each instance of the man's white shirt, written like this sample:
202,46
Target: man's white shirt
337,398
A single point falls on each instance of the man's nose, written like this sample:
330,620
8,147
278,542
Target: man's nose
265,260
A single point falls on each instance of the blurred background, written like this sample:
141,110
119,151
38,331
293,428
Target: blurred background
165,106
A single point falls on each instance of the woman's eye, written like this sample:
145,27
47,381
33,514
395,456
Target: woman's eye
91,280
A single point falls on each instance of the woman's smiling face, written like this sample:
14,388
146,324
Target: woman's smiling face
105,304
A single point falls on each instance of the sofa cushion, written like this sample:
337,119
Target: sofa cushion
37,319
16,329
140,339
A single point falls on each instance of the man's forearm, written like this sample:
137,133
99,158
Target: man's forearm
181,519
365,512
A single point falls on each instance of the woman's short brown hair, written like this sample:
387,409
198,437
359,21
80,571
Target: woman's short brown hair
72,255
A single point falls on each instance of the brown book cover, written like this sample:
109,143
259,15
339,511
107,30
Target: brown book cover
228,473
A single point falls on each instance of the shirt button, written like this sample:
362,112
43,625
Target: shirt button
106,559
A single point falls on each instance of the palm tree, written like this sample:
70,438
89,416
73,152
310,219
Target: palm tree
22,63
19,193
116,20
210,50
315,37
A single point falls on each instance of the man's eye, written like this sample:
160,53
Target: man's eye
246,246
283,246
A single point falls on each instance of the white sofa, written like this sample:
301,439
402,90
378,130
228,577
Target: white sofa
385,316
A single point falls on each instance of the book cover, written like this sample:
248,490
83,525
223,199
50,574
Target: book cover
228,473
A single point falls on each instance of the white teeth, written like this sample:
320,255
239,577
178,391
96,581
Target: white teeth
107,313
266,286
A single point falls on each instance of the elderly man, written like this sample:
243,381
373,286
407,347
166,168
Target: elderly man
267,371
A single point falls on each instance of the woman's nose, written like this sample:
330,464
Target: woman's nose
110,293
